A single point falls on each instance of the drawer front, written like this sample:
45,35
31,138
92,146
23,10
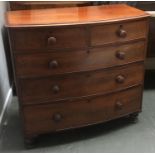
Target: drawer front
119,32
66,62
80,84
29,40
70,114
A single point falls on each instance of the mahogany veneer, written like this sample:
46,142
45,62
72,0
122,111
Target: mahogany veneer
45,63
77,113
74,63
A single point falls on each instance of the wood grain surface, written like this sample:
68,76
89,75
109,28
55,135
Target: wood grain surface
73,15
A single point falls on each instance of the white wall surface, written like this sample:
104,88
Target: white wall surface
4,80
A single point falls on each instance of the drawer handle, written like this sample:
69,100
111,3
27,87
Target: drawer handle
53,64
57,117
121,33
56,89
119,105
120,55
51,40
120,79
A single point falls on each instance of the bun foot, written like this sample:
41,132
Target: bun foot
30,142
134,117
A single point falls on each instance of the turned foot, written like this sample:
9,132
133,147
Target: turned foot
134,117
30,142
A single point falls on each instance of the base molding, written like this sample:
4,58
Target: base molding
6,103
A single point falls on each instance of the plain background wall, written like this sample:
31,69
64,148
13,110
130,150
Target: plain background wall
4,80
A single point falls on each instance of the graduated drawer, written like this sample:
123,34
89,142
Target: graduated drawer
77,113
69,86
43,64
119,32
47,38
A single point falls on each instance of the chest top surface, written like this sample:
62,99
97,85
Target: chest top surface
72,15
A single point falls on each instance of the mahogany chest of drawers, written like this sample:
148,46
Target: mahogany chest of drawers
77,66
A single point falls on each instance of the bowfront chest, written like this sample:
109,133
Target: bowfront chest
77,66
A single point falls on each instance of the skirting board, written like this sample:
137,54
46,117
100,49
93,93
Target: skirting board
7,101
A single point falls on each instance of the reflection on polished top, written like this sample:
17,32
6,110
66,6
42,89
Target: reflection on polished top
72,16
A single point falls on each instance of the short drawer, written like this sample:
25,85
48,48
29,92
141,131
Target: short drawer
119,32
40,39
71,114
76,85
43,64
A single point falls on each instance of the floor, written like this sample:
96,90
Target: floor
121,135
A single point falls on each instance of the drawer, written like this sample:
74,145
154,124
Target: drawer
43,64
75,85
119,32
77,113
40,39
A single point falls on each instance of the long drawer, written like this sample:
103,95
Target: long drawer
70,114
28,65
30,40
119,32
80,84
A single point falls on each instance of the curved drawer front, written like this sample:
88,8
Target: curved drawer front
70,114
80,84
65,62
29,40
119,32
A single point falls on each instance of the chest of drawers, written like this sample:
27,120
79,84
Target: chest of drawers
77,66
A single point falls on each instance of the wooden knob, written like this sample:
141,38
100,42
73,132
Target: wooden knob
120,79
51,40
119,105
57,117
121,33
120,55
56,89
53,64
89,100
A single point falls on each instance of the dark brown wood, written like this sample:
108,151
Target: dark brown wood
80,84
71,114
77,70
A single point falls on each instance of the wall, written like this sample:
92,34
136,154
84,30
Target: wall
4,79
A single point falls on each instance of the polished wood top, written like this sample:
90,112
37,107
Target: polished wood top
72,16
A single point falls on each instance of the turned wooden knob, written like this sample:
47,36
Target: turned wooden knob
53,64
51,40
119,105
56,89
121,33
120,55
120,79
57,117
